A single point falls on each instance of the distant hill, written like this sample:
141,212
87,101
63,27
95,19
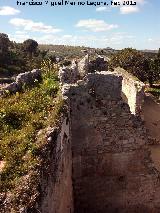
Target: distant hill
150,51
70,52
65,50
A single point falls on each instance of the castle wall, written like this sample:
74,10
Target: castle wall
112,169
132,91
56,185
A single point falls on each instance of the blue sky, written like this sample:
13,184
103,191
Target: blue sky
95,26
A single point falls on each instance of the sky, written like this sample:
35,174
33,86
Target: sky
99,26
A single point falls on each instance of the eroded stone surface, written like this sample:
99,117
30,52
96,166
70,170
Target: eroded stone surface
112,168
132,91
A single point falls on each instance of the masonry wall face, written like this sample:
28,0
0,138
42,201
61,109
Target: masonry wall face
112,169
132,91
57,185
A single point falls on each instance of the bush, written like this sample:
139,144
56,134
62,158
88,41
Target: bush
22,115
154,91
131,60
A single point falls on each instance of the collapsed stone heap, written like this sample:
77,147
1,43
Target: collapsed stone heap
79,70
23,79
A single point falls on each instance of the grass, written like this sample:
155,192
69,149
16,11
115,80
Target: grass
155,91
22,116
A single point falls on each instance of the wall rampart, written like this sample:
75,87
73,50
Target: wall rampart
56,186
112,168
132,91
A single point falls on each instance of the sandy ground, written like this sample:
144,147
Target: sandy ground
151,114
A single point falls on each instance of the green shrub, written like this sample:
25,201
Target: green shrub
154,91
22,115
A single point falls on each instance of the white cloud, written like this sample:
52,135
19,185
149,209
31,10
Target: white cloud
155,41
141,2
150,39
19,36
29,25
6,10
152,43
129,9
67,36
95,25
102,9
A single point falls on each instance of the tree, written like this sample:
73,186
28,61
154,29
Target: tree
158,54
131,60
154,70
4,43
4,48
30,46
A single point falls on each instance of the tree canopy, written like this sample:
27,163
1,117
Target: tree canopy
135,62
30,46
4,43
4,48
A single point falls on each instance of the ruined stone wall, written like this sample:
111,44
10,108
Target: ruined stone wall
112,168
68,75
23,79
90,65
132,91
56,185
83,66
98,64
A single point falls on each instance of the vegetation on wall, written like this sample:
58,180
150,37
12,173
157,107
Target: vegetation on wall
22,116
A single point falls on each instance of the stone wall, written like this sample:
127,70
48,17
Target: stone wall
68,75
112,168
132,91
56,185
99,64
87,65
83,66
23,79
